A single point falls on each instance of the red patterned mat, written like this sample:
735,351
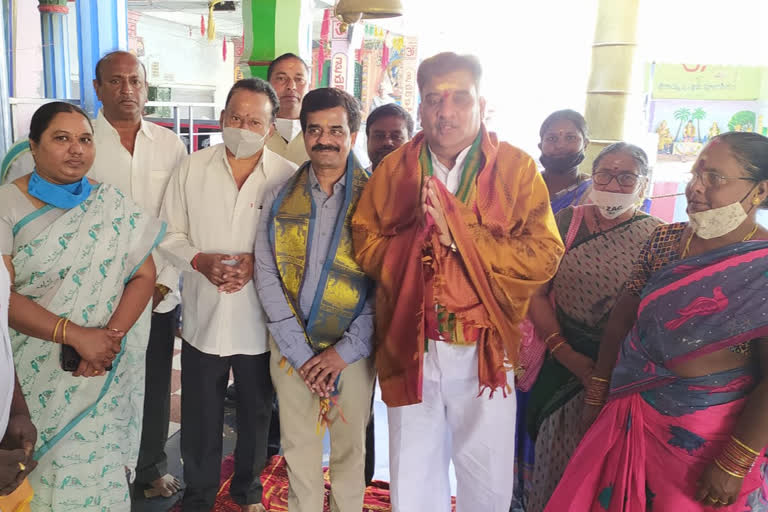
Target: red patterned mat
275,498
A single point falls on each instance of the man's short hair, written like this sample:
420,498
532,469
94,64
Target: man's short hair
256,85
389,110
281,58
447,62
108,56
330,97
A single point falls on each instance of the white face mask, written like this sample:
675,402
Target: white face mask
612,204
288,128
242,143
717,222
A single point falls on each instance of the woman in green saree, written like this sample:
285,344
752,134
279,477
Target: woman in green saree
606,238
83,276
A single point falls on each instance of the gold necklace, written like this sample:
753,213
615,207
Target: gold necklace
688,243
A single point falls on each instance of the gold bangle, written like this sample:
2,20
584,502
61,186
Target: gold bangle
552,350
64,332
56,329
720,465
556,333
599,379
750,450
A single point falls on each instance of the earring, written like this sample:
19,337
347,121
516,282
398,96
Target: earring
756,201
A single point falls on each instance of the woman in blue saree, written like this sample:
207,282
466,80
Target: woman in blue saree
685,425
82,276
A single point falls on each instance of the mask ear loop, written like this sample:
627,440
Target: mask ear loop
752,204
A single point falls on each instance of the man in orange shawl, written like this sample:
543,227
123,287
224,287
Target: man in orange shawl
457,230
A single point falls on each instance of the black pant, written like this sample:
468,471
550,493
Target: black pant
203,383
370,448
273,440
153,463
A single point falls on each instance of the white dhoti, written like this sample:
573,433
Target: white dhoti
452,423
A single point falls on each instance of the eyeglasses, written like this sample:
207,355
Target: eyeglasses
711,179
625,179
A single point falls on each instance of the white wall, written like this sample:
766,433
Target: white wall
28,64
177,56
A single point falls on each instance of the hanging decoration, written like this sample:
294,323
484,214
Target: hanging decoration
239,46
224,48
211,20
385,53
325,31
202,25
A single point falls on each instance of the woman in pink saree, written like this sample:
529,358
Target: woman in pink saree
685,425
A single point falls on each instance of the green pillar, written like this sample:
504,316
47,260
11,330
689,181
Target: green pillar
274,27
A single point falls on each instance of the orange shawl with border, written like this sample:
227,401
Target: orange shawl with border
508,245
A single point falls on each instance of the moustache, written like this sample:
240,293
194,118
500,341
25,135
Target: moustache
323,147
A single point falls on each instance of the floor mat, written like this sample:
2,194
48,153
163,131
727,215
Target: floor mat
275,498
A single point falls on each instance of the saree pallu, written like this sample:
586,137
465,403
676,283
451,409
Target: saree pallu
571,196
658,432
88,428
590,278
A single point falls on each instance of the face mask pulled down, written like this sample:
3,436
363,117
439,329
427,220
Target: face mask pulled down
242,143
612,204
717,222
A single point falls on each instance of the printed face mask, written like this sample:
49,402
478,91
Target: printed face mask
612,204
717,222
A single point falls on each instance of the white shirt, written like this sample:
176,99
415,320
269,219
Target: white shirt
450,177
7,381
206,213
143,177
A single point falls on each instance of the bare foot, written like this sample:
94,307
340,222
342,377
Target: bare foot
165,486
257,507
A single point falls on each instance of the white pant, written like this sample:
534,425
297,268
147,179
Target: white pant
452,422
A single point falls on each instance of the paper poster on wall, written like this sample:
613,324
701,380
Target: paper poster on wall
706,82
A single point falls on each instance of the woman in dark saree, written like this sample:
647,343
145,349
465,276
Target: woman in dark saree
602,241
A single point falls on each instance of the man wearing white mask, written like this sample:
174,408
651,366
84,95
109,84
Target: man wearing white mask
289,75
212,206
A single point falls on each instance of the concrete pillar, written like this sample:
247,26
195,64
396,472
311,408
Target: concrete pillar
274,27
610,82
102,27
55,40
